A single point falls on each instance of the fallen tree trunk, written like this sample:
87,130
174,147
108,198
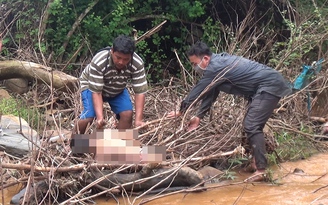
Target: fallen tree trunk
183,177
109,181
23,69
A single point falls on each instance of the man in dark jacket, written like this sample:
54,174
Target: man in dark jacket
231,74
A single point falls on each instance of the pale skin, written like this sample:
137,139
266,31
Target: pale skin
194,122
120,60
325,128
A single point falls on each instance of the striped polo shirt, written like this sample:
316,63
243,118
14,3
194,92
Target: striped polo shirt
101,76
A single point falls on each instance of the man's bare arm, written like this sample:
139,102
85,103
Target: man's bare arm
139,106
98,106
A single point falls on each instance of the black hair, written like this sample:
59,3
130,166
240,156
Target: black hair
199,49
124,44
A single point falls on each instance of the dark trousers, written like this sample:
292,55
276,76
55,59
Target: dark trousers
259,111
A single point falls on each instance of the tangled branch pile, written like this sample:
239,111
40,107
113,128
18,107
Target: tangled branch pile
78,179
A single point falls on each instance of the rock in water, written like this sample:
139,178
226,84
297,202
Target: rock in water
298,171
12,140
209,172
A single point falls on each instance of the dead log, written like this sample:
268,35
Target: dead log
158,179
29,70
184,177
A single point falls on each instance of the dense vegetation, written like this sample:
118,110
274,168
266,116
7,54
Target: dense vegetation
65,34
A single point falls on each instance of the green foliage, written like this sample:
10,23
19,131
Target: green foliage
174,32
230,175
17,108
305,35
190,9
212,33
298,45
5,50
101,25
117,21
292,147
94,30
235,161
269,173
62,16
158,57
187,22
26,25
272,159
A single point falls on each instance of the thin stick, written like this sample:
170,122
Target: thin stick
183,74
2,189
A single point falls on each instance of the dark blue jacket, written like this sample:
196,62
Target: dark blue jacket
235,75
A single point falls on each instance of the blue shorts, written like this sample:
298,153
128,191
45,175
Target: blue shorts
118,104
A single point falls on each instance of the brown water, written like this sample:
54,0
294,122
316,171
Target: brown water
311,187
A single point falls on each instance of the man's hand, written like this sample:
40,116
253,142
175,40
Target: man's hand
139,124
100,123
174,114
193,123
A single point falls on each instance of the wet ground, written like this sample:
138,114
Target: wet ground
307,187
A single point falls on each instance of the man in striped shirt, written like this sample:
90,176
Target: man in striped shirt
105,80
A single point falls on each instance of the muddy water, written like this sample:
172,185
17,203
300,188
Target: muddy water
310,187
8,193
